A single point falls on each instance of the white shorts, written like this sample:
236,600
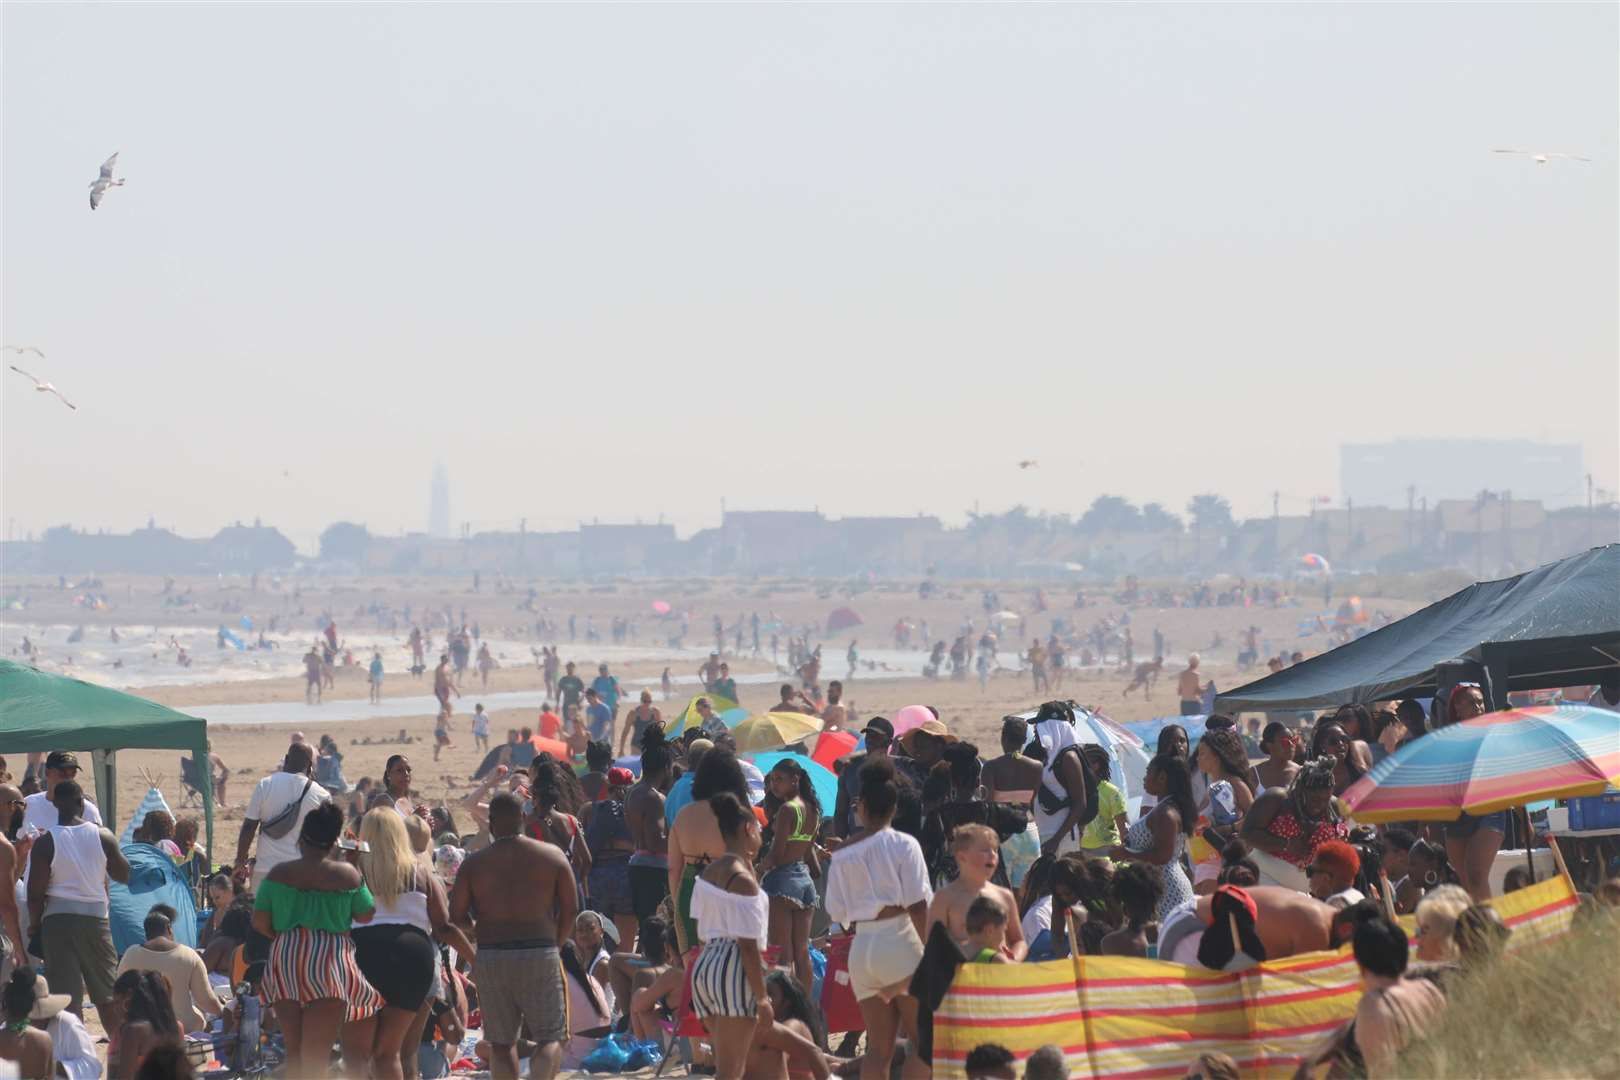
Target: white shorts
883,956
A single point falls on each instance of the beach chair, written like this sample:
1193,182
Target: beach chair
191,792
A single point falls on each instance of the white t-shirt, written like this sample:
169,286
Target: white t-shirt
271,796
40,813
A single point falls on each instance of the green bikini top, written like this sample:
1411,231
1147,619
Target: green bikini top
798,825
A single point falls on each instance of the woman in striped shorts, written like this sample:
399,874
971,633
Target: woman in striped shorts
306,905
732,914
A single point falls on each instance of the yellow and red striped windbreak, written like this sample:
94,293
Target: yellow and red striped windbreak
1147,1018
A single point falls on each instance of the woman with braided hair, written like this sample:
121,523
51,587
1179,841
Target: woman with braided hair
1284,828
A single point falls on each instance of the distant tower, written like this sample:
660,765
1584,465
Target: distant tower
439,503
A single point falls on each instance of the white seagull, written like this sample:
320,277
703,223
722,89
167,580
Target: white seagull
22,350
1537,156
99,186
46,388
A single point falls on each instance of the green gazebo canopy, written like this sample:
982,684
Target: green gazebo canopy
43,712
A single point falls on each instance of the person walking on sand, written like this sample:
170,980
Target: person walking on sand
1189,689
444,683
375,674
522,895
313,671
480,727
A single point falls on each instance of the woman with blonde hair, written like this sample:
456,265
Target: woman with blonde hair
1437,920
395,948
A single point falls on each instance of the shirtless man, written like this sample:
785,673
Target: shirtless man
1189,689
977,853
522,894
444,683
1288,922
644,815
1146,675
710,671
835,715
1012,777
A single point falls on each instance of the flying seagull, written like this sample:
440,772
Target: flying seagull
1026,464
99,186
1541,157
21,350
45,388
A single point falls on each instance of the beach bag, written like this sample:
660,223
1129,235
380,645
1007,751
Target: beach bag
282,824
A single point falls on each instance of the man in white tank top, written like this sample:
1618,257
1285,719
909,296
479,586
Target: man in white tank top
67,901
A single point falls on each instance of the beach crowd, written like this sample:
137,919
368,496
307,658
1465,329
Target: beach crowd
619,886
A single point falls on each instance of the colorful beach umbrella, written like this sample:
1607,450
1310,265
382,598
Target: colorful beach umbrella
1313,561
661,606
1493,762
774,730
689,714
823,779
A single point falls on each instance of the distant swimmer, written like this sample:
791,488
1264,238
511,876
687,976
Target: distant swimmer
99,186
1027,464
45,387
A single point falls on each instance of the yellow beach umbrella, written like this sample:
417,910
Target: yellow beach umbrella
774,730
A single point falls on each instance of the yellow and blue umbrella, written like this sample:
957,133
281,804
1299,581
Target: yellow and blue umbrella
688,717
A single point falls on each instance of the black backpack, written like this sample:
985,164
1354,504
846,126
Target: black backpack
1056,804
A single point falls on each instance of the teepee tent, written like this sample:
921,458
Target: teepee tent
153,801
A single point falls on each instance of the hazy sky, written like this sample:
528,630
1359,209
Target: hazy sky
622,261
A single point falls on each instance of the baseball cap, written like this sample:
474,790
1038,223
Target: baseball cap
62,759
878,726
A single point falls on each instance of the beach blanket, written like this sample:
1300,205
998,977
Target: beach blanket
153,879
1120,1017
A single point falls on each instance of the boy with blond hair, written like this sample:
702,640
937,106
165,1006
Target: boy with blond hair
977,850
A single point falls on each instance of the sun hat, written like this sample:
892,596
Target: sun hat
46,1004
935,728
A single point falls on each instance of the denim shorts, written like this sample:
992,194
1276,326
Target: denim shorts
1468,825
791,883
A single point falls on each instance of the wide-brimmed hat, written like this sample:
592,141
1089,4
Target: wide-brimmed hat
46,1004
935,728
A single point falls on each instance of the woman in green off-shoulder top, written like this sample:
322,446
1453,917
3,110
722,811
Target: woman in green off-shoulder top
307,906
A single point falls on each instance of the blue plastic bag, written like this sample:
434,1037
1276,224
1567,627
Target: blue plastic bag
611,1055
818,969
644,1054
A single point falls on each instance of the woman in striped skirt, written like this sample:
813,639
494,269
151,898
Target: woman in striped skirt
732,914
306,905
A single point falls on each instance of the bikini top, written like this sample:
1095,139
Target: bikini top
798,825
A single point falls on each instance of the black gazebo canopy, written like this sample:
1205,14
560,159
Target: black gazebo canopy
1557,625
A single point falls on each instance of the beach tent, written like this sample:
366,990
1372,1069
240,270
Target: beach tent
1557,625
154,800
45,712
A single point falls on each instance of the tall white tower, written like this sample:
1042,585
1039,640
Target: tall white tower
439,503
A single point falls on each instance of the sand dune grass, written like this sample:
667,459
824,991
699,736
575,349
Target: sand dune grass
1551,1010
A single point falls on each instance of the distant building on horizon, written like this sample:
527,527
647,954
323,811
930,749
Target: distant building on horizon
1386,474
439,503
